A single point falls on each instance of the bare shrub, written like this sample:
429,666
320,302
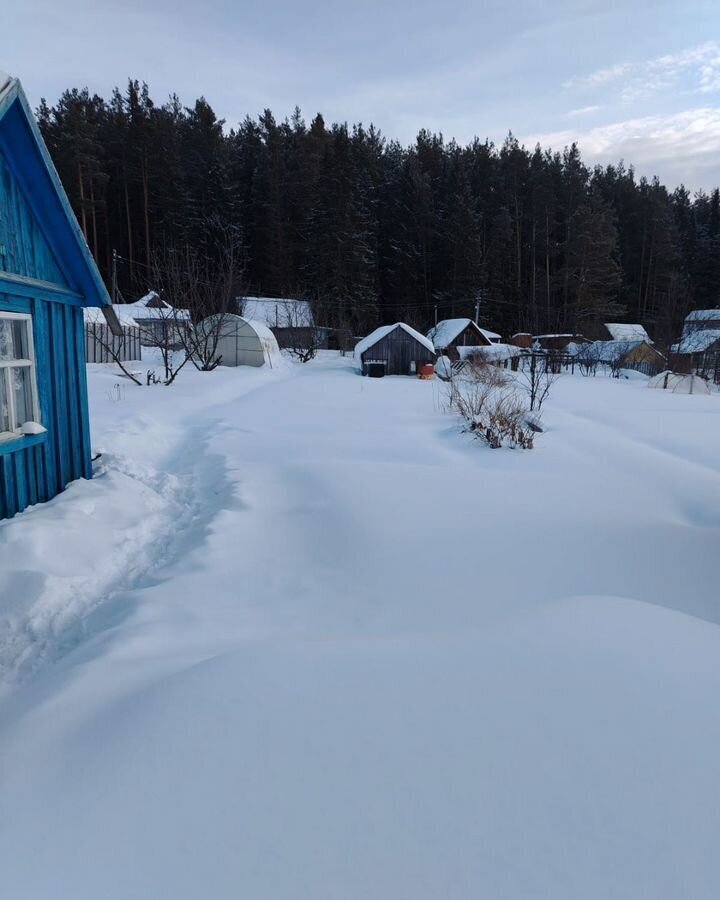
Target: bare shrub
486,399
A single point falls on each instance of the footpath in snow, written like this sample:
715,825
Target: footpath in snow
303,639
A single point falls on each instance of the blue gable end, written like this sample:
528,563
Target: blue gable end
46,276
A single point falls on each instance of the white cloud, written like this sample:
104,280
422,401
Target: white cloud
682,147
699,65
582,111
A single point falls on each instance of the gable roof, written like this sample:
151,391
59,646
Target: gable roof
697,341
612,351
703,315
23,147
619,331
449,330
381,332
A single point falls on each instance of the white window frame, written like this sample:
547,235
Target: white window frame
7,365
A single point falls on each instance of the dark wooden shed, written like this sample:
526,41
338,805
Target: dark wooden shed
398,348
449,334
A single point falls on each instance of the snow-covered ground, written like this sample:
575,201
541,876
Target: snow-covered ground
303,639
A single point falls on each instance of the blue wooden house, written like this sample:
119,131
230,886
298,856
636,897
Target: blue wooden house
47,276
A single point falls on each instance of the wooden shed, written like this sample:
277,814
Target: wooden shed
450,334
394,350
47,277
698,350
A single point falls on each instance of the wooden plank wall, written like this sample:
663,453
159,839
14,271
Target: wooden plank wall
36,469
101,344
24,248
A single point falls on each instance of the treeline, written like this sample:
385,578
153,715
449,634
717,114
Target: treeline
371,231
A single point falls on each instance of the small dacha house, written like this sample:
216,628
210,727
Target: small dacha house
450,334
698,350
47,278
394,350
160,322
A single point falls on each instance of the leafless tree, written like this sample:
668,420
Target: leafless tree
113,347
302,337
537,378
202,290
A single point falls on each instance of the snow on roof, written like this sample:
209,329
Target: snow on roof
490,335
277,312
609,351
5,80
93,315
703,315
446,331
494,352
384,330
619,331
696,341
142,310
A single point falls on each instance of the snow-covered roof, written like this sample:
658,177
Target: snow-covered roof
142,310
446,331
492,336
696,341
384,330
619,331
703,315
493,353
93,315
277,312
609,351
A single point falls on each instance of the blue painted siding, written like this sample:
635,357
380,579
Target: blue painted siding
33,469
47,271
23,248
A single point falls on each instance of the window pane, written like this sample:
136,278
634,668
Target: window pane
20,378
4,405
14,339
6,339
20,338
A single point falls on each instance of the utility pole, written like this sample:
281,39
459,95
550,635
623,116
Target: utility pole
113,291
436,315
477,309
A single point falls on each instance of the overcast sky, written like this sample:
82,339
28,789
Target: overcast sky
637,80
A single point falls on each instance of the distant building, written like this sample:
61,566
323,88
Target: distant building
290,320
620,331
522,339
394,350
451,334
633,354
159,321
557,342
698,350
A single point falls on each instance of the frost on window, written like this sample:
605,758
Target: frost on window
6,339
22,395
4,403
